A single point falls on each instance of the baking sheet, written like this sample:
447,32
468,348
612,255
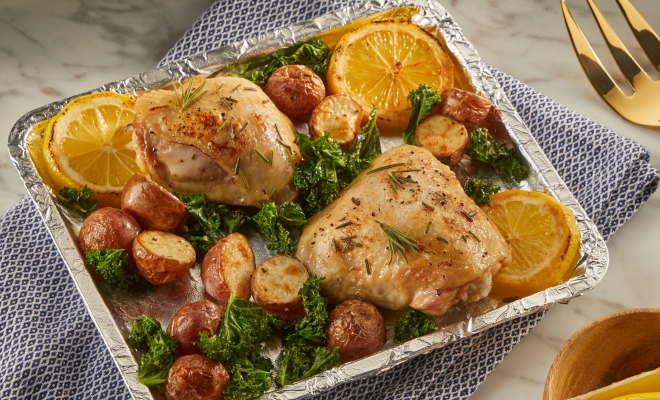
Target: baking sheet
112,312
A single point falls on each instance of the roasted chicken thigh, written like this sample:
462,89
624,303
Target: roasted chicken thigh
211,146
459,249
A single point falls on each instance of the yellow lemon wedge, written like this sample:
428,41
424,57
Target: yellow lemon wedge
381,62
87,143
644,386
544,240
640,396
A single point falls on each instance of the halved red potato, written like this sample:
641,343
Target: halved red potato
443,137
228,267
339,114
195,377
161,257
467,108
108,228
190,321
275,285
357,328
152,206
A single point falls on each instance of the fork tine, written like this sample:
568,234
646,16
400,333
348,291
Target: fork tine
600,79
645,35
624,60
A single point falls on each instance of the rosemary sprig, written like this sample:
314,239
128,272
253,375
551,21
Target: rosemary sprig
355,201
236,88
251,89
468,216
440,238
398,240
243,128
396,179
228,102
472,213
366,262
187,97
222,125
220,87
475,236
239,172
430,207
277,129
263,157
334,244
428,226
385,167
285,145
347,223
348,237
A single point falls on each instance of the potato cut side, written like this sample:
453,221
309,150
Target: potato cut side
161,257
443,137
276,282
228,267
340,115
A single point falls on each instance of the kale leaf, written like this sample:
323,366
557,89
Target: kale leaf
82,198
250,378
160,350
114,267
234,220
479,190
423,99
325,170
303,354
483,147
413,325
242,329
313,53
208,214
291,214
269,225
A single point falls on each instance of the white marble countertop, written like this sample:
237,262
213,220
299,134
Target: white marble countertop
55,49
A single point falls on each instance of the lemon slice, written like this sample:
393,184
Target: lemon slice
381,62
87,143
544,240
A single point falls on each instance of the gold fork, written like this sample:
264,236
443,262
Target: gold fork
643,106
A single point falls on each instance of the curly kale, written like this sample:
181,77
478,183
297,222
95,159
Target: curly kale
250,378
241,331
234,220
325,170
114,267
269,224
291,214
303,354
423,99
160,350
482,147
81,198
208,214
313,53
479,191
413,325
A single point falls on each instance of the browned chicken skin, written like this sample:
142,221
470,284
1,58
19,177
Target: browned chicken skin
196,151
432,281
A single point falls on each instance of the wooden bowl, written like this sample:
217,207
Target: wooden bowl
607,350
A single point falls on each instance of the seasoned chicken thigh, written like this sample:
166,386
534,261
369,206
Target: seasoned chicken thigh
197,150
459,251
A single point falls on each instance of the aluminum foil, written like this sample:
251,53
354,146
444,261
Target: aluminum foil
113,313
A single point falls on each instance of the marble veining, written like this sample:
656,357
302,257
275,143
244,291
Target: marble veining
55,49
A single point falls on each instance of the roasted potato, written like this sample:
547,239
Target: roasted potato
357,328
443,137
190,321
196,377
275,285
151,205
161,257
467,108
228,267
339,114
295,90
108,228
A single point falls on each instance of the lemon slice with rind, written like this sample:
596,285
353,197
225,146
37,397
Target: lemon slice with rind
87,143
380,63
544,240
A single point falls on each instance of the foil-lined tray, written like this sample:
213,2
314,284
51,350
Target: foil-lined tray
113,313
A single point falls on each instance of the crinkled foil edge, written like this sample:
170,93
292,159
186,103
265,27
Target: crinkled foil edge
542,177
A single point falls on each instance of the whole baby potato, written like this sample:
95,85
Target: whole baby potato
357,328
190,321
108,228
296,90
161,257
196,377
152,206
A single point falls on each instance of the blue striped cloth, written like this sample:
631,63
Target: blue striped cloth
51,349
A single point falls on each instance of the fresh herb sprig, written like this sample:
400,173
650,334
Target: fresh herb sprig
396,179
399,241
187,97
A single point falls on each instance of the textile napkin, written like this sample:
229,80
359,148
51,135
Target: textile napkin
52,349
